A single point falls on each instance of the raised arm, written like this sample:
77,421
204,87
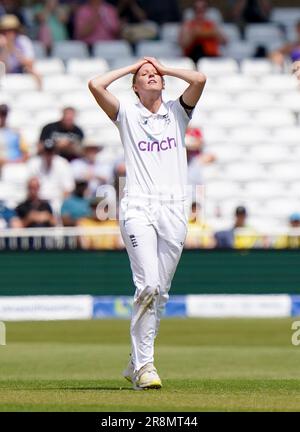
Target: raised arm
195,79
105,99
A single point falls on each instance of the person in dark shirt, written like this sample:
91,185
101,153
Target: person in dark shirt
66,134
35,212
161,11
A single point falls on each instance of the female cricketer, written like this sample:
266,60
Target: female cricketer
153,211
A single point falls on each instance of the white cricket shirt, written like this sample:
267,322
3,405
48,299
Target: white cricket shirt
155,154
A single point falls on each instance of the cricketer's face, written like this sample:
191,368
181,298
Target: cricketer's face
148,78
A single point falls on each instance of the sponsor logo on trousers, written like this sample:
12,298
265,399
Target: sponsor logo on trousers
156,146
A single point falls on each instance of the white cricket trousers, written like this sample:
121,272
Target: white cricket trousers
154,234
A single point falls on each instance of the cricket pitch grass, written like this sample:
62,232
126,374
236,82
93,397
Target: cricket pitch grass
205,365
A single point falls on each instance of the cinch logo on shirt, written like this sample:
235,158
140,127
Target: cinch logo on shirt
157,146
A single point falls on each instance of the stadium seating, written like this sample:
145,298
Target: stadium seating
66,50
50,66
158,49
269,35
218,66
111,50
288,16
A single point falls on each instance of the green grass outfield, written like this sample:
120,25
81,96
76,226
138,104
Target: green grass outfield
205,365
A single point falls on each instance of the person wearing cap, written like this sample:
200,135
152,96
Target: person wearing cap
16,50
66,133
292,239
233,238
55,175
12,147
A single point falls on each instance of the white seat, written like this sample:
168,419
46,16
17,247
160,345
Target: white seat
290,101
6,98
122,84
46,116
239,49
264,190
214,14
231,31
284,171
50,66
16,83
88,67
270,154
16,177
285,15
220,190
277,83
244,171
81,100
170,32
281,207
39,50
122,61
288,135
38,101
178,62
66,50
249,134
256,67
235,83
275,118
254,100
229,118
94,118
58,84
111,50
217,66
158,49
213,134
18,119
211,100
225,152
264,34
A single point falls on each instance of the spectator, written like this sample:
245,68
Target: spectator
135,25
197,159
161,11
200,37
52,19
35,212
118,178
89,168
290,50
199,234
98,219
12,7
66,134
292,239
12,147
76,206
97,21
8,217
231,238
54,173
16,50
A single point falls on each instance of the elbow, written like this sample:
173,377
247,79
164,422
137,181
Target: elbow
201,78
91,85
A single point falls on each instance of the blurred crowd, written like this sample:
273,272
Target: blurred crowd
92,21
67,170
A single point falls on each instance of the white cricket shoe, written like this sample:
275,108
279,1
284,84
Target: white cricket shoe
146,378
